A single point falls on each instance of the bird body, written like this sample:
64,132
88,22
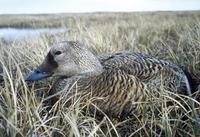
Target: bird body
114,84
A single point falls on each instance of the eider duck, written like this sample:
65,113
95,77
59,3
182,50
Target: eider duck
115,83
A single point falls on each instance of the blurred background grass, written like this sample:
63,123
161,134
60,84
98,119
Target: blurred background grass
173,36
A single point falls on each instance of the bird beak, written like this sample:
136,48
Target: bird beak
45,70
38,75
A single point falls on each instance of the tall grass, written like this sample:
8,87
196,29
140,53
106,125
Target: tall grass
170,36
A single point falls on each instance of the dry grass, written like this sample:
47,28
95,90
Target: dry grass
171,36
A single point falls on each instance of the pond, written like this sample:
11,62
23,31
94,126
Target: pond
16,34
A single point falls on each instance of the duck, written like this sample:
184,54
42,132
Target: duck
114,83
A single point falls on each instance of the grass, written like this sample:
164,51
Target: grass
173,36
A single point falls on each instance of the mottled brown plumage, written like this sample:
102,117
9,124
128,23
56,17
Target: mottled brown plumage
113,83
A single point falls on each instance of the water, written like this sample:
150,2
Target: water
17,34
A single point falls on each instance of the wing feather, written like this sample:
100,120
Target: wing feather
147,69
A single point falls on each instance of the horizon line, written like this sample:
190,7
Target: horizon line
87,12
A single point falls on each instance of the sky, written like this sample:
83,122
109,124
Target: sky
76,6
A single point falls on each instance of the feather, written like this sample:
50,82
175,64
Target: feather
113,83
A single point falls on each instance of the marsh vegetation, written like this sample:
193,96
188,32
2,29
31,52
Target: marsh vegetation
173,36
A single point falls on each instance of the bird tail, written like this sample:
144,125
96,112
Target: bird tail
193,81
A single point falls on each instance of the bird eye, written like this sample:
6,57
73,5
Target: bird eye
58,52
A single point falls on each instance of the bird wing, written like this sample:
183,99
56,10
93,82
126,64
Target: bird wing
142,66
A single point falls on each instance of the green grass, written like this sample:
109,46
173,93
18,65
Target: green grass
172,36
